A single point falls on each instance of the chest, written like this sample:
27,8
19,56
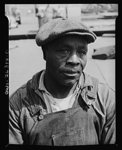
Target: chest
73,126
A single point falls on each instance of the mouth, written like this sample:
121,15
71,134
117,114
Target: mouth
71,74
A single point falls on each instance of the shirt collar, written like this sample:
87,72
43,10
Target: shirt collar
42,86
37,81
84,81
41,83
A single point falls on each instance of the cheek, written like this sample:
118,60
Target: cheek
84,61
54,62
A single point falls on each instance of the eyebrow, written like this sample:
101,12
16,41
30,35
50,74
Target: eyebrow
78,47
68,45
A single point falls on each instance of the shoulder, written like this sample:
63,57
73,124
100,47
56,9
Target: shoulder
15,99
102,89
105,94
106,97
25,95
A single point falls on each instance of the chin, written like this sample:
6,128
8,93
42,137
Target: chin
69,83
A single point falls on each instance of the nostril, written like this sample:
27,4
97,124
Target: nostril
73,60
73,63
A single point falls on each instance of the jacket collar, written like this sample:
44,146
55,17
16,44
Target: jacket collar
88,89
36,78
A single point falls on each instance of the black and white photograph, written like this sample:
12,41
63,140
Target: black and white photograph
62,74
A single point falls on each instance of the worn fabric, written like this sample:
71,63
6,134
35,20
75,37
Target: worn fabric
91,120
61,26
57,104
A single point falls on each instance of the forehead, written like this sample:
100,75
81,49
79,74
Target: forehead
69,40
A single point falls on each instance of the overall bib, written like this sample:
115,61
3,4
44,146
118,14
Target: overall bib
78,125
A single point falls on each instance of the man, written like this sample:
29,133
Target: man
62,105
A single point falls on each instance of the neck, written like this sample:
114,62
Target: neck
57,90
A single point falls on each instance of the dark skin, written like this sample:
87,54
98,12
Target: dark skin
65,60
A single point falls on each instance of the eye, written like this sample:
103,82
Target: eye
81,52
63,51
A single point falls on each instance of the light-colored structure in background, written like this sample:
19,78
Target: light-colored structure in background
74,10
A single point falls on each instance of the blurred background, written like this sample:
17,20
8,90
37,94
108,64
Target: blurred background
26,58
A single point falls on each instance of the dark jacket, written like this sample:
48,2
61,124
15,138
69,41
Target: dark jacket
91,120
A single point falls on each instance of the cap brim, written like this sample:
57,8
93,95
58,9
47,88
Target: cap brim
89,37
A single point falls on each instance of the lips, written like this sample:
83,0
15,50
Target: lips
71,73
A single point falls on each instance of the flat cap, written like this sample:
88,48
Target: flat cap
59,27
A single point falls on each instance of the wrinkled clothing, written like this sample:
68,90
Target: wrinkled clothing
91,120
57,104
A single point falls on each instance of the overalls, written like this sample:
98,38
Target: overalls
75,126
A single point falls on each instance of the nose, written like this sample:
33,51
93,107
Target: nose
73,59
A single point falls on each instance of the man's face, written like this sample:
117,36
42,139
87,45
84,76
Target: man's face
66,59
